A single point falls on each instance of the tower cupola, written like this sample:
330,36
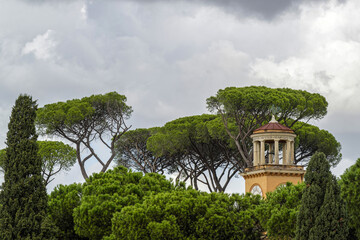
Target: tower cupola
273,162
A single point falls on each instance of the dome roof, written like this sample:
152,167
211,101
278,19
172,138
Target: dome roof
273,126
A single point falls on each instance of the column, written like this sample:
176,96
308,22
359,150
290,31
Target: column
262,152
276,152
292,152
288,152
284,154
271,153
256,153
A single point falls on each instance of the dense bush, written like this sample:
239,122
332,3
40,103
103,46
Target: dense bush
104,194
121,204
62,201
279,210
188,214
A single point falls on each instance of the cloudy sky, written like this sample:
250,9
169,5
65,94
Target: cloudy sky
167,57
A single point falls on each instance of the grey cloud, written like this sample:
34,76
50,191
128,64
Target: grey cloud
263,9
257,8
323,77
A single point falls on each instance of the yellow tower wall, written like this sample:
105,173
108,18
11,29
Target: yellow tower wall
269,179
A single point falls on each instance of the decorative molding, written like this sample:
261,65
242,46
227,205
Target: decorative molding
272,172
272,137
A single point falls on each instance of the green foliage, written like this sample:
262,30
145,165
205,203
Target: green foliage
198,148
249,107
310,139
322,213
74,114
183,132
331,222
2,160
257,101
133,153
279,211
24,199
84,121
55,157
350,192
62,201
104,194
188,214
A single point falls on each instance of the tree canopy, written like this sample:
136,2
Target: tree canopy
132,152
98,118
197,150
310,139
55,157
249,107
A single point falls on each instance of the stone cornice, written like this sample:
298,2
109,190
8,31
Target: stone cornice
273,136
273,172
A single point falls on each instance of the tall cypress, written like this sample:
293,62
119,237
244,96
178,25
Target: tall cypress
322,212
331,221
23,198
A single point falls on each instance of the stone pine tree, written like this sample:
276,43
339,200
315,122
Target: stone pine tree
322,213
23,198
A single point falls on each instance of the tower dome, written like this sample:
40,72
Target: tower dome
273,126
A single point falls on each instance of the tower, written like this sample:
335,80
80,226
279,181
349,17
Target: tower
271,143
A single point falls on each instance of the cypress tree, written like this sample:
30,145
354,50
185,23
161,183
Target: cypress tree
23,198
330,222
350,193
322,213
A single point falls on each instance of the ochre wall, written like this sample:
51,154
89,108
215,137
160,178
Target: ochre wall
269,182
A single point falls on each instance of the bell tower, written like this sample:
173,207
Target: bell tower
273,159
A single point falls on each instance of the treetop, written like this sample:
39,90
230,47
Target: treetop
73,113
259,100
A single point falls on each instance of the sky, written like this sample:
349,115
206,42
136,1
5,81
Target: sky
168,57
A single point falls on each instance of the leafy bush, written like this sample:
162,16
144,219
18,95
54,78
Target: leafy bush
62,201
188,214
279,211
104,194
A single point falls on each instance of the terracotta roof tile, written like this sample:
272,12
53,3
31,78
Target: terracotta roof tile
273,127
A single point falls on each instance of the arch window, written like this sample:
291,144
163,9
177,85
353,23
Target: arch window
256,190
